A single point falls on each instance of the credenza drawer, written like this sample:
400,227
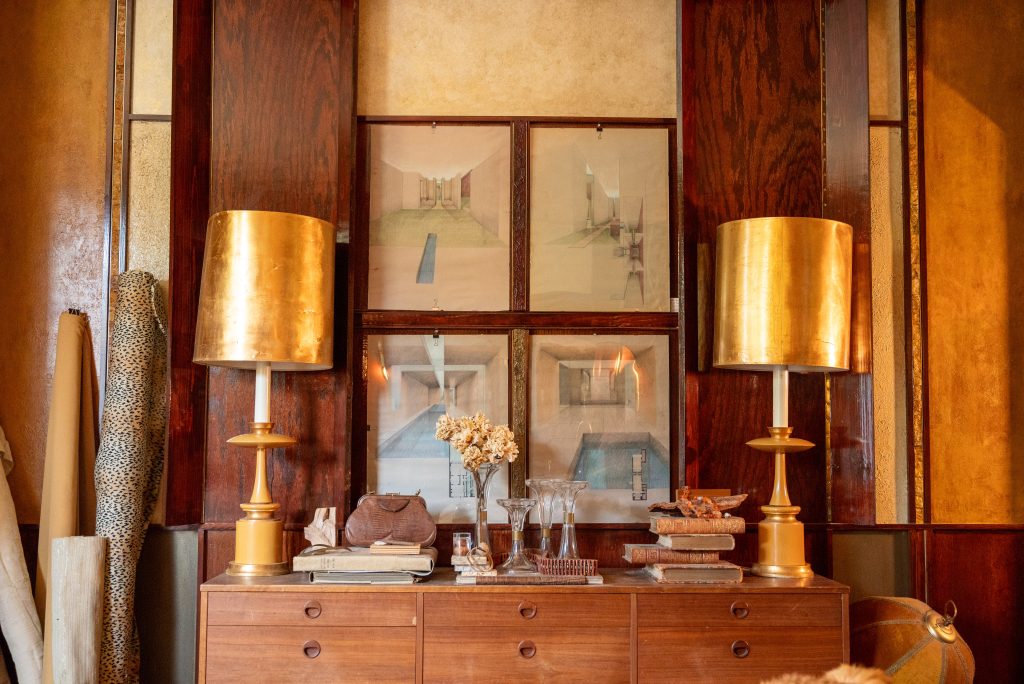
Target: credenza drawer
525,654
303,608
309,654
736,654
536,610
687,611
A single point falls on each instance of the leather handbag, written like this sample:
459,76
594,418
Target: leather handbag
390,517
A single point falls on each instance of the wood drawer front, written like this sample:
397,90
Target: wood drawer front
696,611
535,610
306,609
469,654
278,654
708,656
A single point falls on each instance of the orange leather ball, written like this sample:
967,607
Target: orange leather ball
910,641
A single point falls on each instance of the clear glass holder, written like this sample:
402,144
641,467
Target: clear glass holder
546,493
569,490
517,562
481,483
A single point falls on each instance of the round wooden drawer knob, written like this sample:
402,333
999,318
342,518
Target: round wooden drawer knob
527,649
740,649
312,610
739,609
311,649
528,610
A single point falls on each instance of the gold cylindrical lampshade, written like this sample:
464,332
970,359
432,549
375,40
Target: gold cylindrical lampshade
782,294
267,292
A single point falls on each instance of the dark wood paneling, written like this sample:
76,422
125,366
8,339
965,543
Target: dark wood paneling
277,144
190,197
981,572
753,100
847,197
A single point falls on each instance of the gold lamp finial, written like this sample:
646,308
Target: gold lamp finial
782,303
266,303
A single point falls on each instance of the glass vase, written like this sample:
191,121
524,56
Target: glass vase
546,494
517,562
481,483
569,490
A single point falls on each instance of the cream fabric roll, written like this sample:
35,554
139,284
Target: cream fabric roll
18,618
77,565
69,495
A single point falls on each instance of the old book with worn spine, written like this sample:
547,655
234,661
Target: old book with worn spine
358,559
696,573
644,554
669,524
697,542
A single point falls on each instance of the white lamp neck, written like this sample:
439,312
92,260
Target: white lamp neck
780,397
261,414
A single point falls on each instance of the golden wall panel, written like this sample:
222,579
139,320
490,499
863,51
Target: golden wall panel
888,335
973,84
884,70
54,108
149,199
151,56
530,57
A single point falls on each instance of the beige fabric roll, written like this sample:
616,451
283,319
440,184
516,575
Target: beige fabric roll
18,618
69,495
77,565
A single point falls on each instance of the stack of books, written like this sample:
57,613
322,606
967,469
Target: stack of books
688,550
380,564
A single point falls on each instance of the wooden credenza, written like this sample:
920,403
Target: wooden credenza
629,629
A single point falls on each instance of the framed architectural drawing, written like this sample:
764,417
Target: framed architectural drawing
439,217
412,380
599,219
599,412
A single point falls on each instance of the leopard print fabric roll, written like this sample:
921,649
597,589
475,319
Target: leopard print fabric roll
130,460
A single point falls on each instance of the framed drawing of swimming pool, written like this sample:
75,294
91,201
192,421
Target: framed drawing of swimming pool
411,381
439,217
600,411
599,219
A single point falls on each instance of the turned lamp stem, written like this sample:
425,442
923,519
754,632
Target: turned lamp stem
780,419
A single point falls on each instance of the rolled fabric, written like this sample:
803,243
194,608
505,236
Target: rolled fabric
130,460
18,617
68,504
78,565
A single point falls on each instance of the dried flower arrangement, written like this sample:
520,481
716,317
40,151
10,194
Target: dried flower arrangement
478,440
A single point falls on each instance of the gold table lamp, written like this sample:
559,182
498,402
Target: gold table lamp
266,303
782,303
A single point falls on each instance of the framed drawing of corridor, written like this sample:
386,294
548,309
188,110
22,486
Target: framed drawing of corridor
439,217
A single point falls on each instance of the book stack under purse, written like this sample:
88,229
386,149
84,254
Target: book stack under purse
688,550
378,564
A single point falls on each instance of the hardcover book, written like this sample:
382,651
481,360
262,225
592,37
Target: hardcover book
644,554
697,542
696,573
360,559
334,577
669,524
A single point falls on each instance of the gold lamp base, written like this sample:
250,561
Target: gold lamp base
780,536
258,536
780,544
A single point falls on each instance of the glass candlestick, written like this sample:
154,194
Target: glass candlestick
569,490
517,562
546,494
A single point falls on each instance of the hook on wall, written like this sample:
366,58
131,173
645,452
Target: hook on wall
600,130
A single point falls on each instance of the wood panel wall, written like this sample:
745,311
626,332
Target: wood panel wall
755,84
272,124
271,128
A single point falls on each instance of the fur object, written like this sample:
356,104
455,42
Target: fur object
844,674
